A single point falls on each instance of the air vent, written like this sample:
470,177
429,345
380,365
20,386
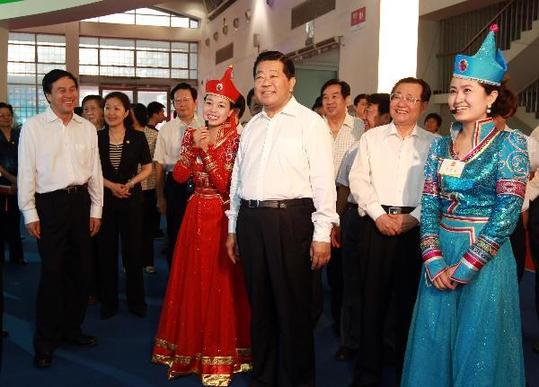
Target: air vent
225,53
310,10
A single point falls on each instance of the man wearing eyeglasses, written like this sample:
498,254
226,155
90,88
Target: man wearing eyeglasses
171,196
386,181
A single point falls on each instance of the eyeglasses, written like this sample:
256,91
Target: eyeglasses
185,100
408,99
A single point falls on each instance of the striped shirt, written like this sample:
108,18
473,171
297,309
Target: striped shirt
115,154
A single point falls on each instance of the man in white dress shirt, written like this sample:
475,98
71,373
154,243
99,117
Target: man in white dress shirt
282,207
345,130
61,198
386,180
172,196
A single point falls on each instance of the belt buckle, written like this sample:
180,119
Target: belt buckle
253,203
394,210
71,189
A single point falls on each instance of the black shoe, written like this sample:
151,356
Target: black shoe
344,354
535,347
139,311
43,359
107,313
81,340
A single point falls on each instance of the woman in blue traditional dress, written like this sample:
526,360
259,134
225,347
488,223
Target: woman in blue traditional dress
466,325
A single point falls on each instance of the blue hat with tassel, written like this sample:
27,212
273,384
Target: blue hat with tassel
487,65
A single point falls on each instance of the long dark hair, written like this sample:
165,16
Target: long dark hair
124,99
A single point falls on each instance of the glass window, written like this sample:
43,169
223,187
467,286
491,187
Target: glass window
179,60
153,20
147,16
30,57
85,90
89,70
117,43
21,53
180,46
51,54
85,41
141,58
117,57
153,45
152,73
44,68
146,96
152,59
119,18
193,61
115,71
180,22
88,56
179,74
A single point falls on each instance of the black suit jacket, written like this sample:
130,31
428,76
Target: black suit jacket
135,152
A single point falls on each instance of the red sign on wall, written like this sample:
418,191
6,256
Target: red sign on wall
358,17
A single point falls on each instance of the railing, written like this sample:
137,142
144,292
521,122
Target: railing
465,33
529,98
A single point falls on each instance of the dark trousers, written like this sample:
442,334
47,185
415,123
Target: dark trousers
335,282
65,251
518,243
148,226
121,221
533,227
176,196
1,309
274,247
10,231
351,271
390,269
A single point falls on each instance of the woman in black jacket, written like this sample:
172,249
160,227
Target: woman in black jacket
121,150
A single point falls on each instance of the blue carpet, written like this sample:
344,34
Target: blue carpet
122,357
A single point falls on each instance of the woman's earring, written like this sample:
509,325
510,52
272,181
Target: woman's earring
488,109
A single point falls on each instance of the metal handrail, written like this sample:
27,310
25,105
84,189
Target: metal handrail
481,32
513,16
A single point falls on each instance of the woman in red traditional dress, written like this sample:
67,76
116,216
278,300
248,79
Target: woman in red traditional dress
205,320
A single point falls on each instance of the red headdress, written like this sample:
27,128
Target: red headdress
224,86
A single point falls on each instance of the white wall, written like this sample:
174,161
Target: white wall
359,52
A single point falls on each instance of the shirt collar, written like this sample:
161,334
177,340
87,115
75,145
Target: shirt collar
348,121
482,129
51,116
392,130
290,109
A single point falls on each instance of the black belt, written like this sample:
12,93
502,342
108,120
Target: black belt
70,189
352,205
396,210
74,188
277,203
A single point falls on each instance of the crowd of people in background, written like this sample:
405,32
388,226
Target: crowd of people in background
256,209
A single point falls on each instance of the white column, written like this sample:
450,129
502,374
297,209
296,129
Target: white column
397,43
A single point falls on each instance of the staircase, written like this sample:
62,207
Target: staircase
519,29
518,38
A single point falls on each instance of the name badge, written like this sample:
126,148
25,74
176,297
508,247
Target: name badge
452,168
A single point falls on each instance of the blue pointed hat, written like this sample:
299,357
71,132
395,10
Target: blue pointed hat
487,65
